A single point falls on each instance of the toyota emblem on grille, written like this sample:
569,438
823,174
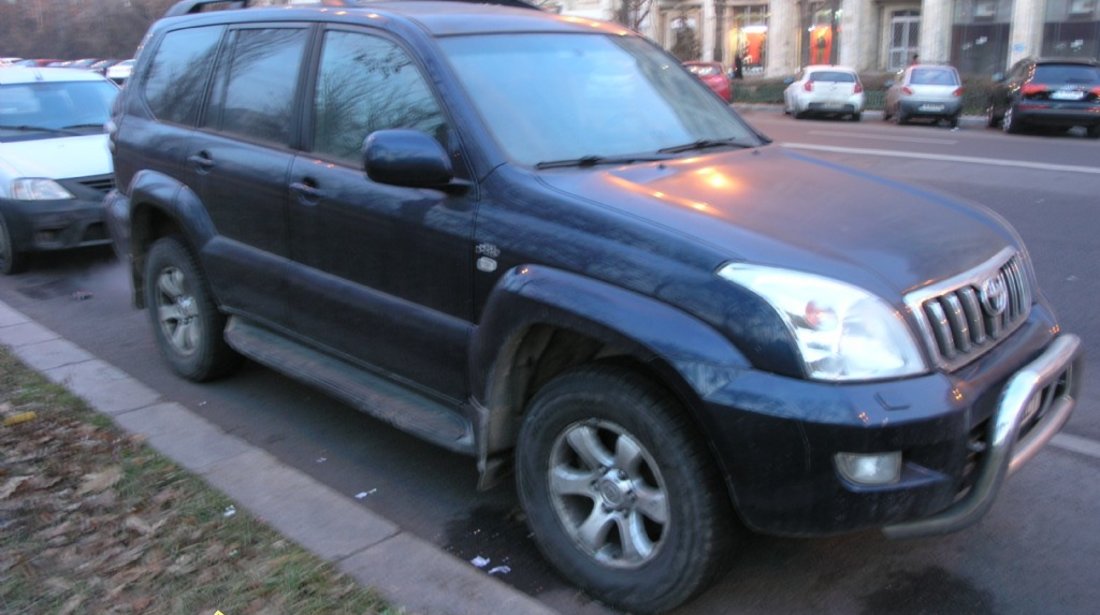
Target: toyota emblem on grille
994,295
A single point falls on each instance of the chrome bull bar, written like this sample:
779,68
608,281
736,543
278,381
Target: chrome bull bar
1058,370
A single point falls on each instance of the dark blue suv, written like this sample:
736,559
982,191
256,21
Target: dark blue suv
538,241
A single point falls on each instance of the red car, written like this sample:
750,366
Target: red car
712,74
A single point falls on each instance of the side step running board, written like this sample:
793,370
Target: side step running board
399,406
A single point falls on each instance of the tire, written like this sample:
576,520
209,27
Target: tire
1093,132
609,436
855,117
991,120
1009,123
12,261
186,322
900,118
953,121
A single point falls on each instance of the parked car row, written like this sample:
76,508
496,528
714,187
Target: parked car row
114,69
1051,93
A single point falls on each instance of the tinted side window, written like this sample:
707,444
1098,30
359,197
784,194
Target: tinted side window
256,98
177,75
366,83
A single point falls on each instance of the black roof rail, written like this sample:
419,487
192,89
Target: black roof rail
186,7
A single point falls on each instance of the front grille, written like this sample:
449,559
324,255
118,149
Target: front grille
966,316
102,183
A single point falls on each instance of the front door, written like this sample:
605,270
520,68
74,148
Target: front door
379,273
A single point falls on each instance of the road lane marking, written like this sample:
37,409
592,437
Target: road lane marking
852,135
1076,444
1041,166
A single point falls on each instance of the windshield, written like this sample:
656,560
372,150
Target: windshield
75,107
551,97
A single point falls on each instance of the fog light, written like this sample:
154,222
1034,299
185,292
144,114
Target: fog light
870,469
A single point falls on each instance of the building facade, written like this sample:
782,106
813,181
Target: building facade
775,38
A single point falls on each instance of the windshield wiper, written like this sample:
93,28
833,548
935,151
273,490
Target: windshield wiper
592,160
703,144
29,128
78,126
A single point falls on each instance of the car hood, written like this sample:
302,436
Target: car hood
777,207
56,158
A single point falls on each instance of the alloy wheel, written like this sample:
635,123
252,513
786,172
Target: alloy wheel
177,311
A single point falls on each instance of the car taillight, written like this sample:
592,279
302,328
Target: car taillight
808,86
1096,91
905,90
1030,89
859,88
957,92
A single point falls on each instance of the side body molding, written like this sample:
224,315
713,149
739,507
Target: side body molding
688,354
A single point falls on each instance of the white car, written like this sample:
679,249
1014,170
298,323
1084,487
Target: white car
120,72
825,90
55,167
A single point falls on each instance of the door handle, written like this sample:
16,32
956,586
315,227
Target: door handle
308,193
202,161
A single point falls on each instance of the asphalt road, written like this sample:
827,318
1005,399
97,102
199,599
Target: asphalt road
1035,551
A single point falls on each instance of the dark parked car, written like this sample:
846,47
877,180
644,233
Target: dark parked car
603,279
1055,92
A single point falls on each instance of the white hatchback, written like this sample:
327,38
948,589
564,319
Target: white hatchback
824,90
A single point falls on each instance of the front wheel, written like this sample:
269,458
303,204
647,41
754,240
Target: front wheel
620,491
187,324
991,119
12,260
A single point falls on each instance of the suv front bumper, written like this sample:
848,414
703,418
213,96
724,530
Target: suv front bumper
959,435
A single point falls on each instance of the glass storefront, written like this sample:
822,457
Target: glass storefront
1072,29
980,36
821,40
747,37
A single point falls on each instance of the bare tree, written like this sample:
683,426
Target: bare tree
632,13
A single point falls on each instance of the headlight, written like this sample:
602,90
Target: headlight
842,331
38,189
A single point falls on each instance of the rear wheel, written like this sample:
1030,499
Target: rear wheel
186,322
953,121
991,119
11,259
857,116
1093,132
900,118
620,491
1009,124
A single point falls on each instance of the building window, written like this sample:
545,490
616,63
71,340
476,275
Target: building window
747,37
1072,29
821,32
904,38
980,36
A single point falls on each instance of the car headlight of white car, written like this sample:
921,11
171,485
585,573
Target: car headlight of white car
843,332
38,189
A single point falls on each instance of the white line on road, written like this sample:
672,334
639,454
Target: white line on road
852,135
1076,444
1041,166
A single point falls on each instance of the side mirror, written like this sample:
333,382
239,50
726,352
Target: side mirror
405,157
998,77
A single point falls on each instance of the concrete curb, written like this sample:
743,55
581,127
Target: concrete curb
409,572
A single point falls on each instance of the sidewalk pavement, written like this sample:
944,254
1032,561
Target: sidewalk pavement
409,572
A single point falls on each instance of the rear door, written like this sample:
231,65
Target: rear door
241,157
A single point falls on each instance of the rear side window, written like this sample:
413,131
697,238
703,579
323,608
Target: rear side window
832,75
176,79
366,83
1067,73
934,76
257,84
